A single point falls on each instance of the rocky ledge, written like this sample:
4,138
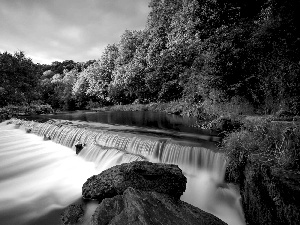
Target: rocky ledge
139,193
269,195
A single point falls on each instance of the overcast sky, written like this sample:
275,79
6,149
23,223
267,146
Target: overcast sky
57,30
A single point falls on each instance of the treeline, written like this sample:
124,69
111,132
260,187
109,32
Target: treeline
18,79
221,56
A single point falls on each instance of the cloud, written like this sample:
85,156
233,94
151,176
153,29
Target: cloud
67,29
71,33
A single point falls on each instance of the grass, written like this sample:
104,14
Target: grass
272,143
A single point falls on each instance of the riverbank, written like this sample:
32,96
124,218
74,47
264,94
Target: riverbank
174,107
11,111
264,161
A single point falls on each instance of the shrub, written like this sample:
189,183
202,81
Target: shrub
14,110
217,104
277,144
223,125
93,105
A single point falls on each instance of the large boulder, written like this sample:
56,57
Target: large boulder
142,175
149,208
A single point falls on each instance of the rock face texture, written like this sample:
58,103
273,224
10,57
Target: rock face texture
139,193
72,215
270,195
149,208
142,175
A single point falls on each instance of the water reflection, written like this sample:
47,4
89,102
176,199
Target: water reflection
145,119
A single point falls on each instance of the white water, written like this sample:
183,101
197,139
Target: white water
38,177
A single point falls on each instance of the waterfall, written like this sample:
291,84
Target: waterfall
99,142
103,148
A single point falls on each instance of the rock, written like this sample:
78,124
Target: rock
269,194
149,208
143,175
46,138
28,130
72,215
79,147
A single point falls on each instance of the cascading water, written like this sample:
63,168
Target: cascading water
39,176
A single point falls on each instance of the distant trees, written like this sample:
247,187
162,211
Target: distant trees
206,53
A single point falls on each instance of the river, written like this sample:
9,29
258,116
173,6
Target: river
40,178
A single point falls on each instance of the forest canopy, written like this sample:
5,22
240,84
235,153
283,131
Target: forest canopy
207,53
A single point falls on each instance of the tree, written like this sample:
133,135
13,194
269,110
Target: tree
18,79
125,69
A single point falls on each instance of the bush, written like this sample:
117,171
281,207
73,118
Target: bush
14,110
223,125
93,105
39,109
272,143
217,104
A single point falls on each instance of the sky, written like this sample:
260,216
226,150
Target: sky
58,30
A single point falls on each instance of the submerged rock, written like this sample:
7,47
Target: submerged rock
142,175
149,208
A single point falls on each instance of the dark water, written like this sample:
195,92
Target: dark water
131,118
142,121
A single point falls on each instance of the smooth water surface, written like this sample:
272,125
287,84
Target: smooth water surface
143,119
137,122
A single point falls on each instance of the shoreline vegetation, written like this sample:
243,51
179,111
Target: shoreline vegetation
11,111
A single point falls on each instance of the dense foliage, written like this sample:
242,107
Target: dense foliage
19,78
272,143
221,56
